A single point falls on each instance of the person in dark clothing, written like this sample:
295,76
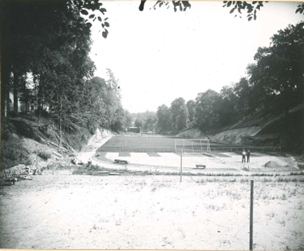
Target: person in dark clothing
248,155
243,156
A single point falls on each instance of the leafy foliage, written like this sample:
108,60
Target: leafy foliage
251,8
278,77
53,41
177,5
300,9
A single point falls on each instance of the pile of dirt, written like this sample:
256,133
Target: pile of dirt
272,164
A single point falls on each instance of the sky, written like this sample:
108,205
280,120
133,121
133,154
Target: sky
160,55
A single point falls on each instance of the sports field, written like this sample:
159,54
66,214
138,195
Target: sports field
148,152
162,144
156,143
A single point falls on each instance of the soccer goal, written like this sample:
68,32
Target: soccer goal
192,145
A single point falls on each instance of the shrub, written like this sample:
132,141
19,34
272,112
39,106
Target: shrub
44,155
25,130
13,153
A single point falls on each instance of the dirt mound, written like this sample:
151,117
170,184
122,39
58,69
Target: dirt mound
271,164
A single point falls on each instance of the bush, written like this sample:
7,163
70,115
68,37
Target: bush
25,130
44,155
13,153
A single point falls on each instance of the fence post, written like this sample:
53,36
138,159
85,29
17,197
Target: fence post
181,166
251,218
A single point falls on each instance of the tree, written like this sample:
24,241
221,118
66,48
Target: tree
48,34
191,105
181,119
117,124
150,123
163,118
207,110
127,119
278,77
113,83
138,123
244,95
179,114
227,106
101,103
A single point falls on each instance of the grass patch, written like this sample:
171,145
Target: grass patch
290,180
297,173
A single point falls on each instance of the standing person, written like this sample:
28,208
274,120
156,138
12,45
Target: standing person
243,156
248,155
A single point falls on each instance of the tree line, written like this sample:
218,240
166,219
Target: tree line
50,41
273,84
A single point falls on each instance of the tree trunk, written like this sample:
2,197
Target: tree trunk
16,84
3,101
39,101
8,107
5,89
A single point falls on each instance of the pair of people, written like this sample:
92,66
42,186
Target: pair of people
245,153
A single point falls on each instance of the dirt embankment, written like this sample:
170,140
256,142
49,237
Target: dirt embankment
279,131
28,146
234,136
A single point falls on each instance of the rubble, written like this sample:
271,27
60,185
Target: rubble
16,173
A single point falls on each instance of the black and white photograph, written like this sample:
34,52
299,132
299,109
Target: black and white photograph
163,125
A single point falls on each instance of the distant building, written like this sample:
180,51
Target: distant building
134,129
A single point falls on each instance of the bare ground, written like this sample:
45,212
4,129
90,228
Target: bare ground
63,211
149,212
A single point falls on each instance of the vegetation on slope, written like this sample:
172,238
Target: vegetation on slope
273,86
45,64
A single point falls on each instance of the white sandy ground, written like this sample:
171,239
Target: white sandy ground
189,161
149,212
88,152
